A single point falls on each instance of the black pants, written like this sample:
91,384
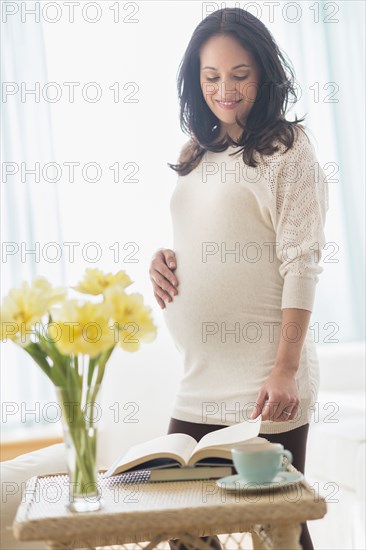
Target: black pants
293,440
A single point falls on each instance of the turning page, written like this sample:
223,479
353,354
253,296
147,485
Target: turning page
231,435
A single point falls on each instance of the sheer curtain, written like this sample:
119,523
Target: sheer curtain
30,219
345,50
325,42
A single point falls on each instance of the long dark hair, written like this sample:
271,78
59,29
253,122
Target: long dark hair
266,120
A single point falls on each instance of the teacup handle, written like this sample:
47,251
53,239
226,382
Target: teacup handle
288,455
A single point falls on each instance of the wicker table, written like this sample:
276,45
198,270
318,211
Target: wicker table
147,515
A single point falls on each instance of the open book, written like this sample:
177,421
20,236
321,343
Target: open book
180,450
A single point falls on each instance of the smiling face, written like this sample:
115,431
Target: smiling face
229,80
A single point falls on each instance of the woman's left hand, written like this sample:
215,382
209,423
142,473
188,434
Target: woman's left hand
279,393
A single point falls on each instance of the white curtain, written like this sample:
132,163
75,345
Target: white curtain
325,42
29,213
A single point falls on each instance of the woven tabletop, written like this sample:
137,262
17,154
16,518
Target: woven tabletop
140,511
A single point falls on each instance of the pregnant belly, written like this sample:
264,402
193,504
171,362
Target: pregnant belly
214,299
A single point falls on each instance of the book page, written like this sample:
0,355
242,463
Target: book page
237,433
170,445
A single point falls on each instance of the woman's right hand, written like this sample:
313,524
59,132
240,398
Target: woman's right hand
163,279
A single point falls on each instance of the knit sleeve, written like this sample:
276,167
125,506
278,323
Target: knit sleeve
301,205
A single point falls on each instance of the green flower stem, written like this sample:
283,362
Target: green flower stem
93,362
106,355
51,349
100,362
91,395
40,357
77,377
85,482
64,373
88,443
76,380
84,468
59,361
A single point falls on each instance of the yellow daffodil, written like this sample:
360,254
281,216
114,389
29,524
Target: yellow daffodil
48,294
23,307
83,327
76,326
132,317
96,282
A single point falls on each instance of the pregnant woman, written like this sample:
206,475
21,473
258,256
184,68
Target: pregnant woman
248,214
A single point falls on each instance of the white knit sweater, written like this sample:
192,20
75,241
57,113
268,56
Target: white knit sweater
231,225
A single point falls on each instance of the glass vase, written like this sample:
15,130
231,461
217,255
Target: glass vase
79,416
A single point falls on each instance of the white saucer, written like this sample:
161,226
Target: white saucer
236,483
